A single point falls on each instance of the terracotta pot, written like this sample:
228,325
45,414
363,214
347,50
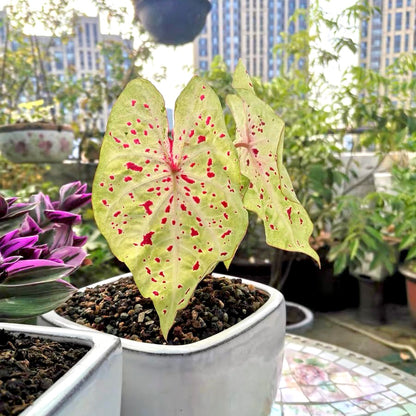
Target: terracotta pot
235,372
410,289
172,22
36,142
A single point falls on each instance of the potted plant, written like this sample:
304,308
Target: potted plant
80,372
38,251
171,208
171,22
404,199
36,142
30,131
363,242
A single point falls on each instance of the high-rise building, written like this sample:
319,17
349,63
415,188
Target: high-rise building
248,29
389,32
79,55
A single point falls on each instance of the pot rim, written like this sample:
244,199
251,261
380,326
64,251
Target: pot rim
304,323
407,273
274,301
37,125
139,4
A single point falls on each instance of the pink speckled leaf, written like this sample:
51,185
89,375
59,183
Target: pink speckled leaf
169,208
259,141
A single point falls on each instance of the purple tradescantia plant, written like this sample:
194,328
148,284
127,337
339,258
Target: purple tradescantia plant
40,252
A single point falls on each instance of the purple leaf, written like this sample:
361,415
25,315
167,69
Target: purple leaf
72,256
79,240
29,227
3,207
63,217
36,271
17,244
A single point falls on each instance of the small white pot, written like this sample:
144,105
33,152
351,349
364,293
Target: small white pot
91,387
233,373
303,325
36,142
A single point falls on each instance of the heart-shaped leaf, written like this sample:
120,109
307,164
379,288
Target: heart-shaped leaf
259,141
170,208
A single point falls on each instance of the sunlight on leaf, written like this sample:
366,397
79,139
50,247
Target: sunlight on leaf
259,141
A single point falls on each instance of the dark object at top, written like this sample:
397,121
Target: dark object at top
172,22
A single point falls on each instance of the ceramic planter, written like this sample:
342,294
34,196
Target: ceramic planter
172,22
36,142
90,387
305,318
235,372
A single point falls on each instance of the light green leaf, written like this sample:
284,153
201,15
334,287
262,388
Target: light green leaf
171,209
259,141
26,301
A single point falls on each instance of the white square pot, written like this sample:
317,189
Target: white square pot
233,373
91,387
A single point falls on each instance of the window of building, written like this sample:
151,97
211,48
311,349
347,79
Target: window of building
302,22
407,20
390,4
95,33
59,60
80,35
399,3
363,50
406,42
81,60
97,60
397,43
89,59
87,34
364,28
389,22
398,21
387,62
388,44
2,31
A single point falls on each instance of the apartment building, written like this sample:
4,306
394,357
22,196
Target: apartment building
387,33
248,29
80,55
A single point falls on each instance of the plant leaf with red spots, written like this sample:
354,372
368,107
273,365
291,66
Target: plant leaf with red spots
171,209
259,141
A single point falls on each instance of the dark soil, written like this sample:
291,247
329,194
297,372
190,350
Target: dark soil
294,315
119,309
29,366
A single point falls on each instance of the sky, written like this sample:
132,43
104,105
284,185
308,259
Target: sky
178,60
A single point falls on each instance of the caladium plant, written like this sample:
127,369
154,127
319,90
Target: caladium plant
172,207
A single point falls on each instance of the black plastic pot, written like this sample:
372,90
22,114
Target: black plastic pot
172,22
371,310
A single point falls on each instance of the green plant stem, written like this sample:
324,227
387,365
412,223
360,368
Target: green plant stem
278,280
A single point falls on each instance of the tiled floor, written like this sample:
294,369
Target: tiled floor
320,379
